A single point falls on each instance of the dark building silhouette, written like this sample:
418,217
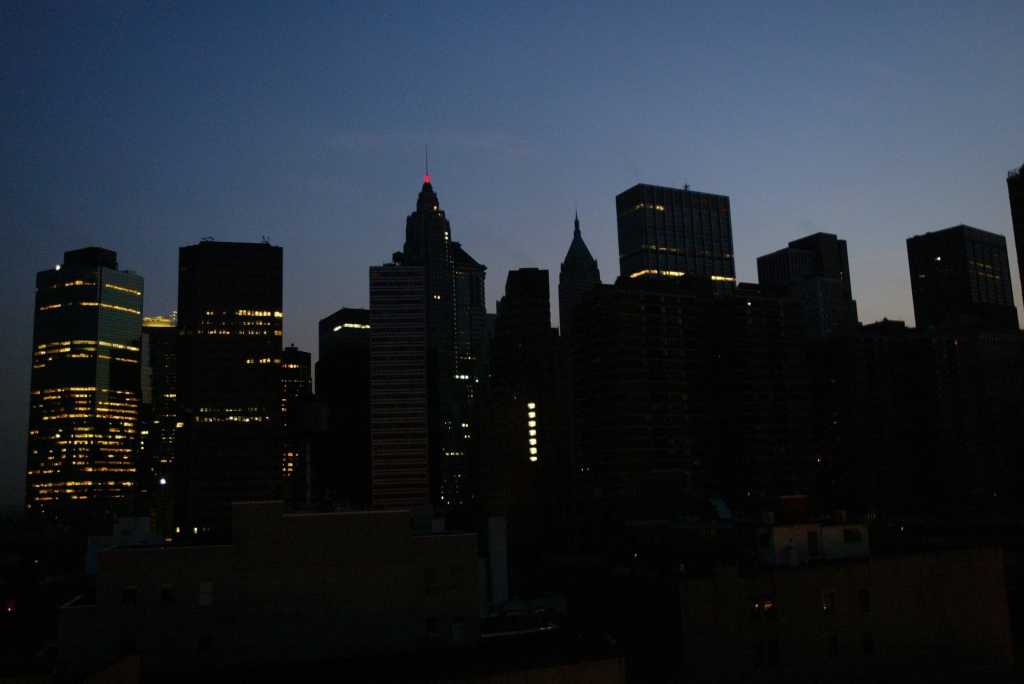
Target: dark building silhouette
296,387
160,391
579,274
341,470
523,342
816,270
681,387
229,380
295,589
918,422
960,279
403,475
525,478
85,389
1015,187
672,232
158,418
470,368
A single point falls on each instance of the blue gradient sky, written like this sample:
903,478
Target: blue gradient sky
142,128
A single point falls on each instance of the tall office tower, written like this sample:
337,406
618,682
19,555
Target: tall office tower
671,232
816,270
451,330
524,381
403,475
341,469
296,385
578,275
1015,187
159,410
229,380
470,323
679,387
83,418
960,279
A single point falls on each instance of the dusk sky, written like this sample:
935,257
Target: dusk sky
142,127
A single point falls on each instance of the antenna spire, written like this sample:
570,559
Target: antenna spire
426,163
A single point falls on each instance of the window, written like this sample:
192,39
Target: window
833,646
868,643
430,581
828,601
458,630
865,600
813,546
206,593
433,627
129,596
852,535
167,594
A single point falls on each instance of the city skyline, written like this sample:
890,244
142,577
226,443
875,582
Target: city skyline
127,177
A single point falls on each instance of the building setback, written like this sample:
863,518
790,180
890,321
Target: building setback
960,279
402,475
85,389
672,232
229,380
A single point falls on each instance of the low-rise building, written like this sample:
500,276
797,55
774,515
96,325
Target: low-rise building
944,610
288,588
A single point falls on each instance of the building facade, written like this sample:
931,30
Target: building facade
230,324
960,279
290,588
341,471
680,387
402,473
85,389
296,387
672,232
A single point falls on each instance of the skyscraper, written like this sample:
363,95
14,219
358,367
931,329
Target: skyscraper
960,278
403,474
672,232
296,384
229,380
816,270
524,471
681,387
1015,187
579,274
159,413
341,470
84,411
469,348
453,338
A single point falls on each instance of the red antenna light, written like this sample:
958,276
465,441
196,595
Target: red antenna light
426,178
